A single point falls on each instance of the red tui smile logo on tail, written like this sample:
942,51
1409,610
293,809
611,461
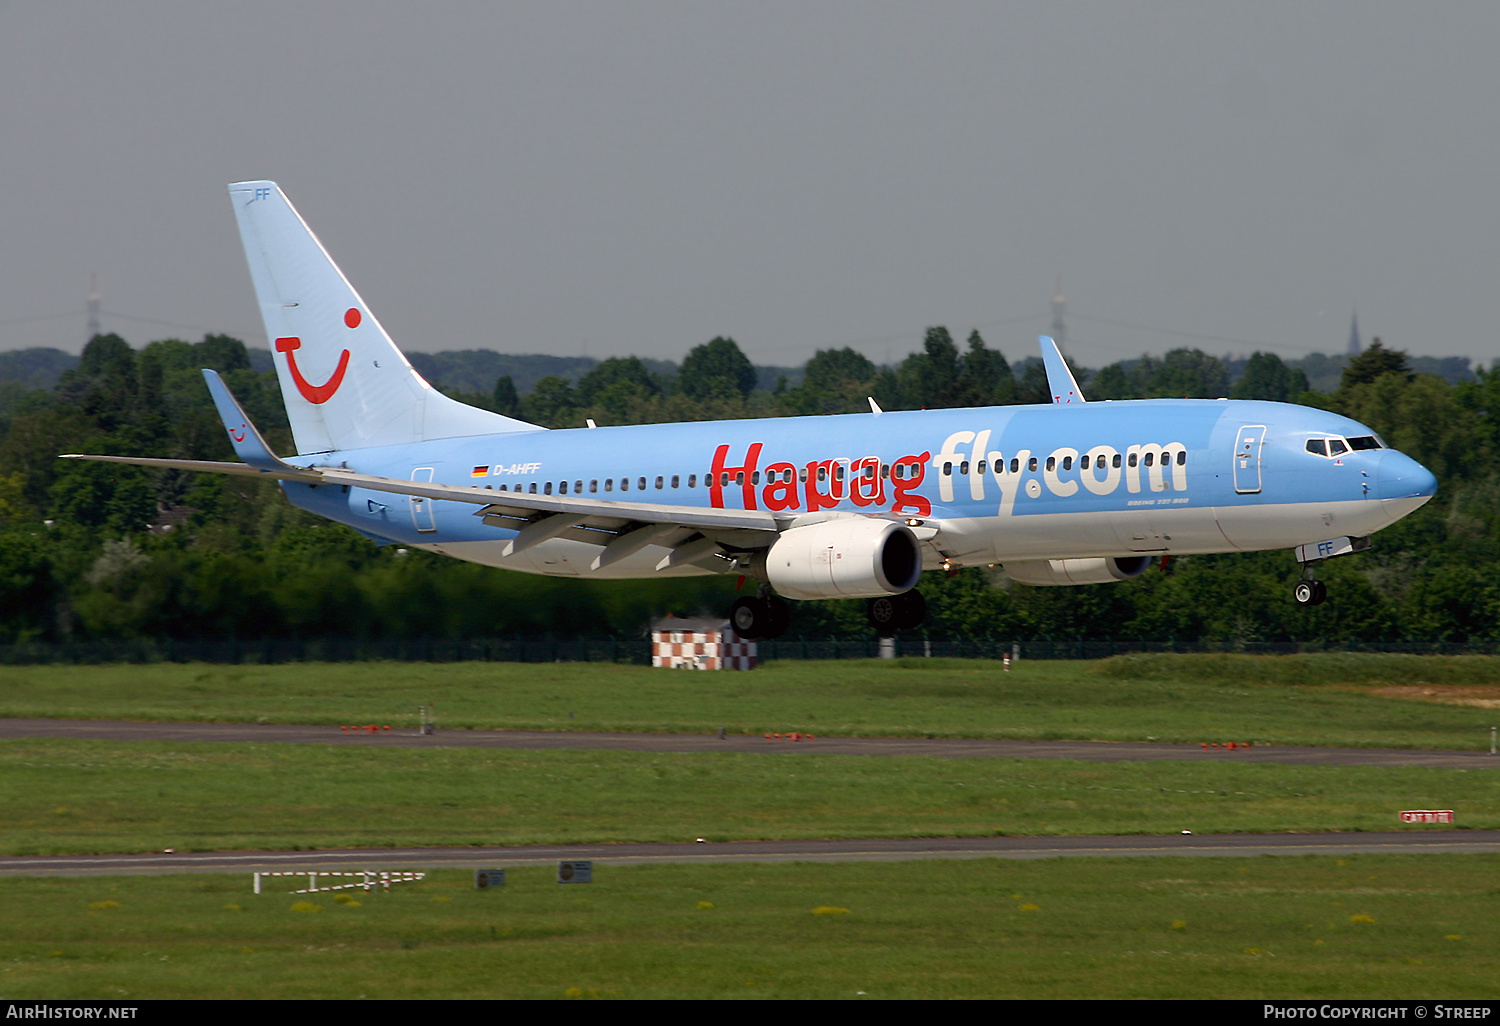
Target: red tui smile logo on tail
315,394
318,394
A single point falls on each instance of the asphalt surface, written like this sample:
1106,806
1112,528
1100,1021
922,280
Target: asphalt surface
1086,751
866,850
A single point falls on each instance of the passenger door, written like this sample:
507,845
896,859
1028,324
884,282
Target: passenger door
1247,446
422,513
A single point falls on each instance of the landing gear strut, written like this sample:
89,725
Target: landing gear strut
762,617
891,613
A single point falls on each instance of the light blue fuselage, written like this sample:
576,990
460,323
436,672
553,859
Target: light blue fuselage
1237,476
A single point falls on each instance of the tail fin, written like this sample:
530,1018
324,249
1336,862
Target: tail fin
344,382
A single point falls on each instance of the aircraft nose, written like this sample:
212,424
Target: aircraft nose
1403,484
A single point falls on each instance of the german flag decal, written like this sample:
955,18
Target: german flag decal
480,472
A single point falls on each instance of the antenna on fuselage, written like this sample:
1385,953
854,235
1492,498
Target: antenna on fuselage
1060,381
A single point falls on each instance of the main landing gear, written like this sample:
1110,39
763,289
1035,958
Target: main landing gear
763,617
891,613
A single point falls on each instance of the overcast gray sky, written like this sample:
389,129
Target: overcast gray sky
638,177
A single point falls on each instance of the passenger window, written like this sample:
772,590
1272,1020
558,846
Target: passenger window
562,489
947,470
1182,458
885,472
1336,447
1031,464
754,478
1134,459
1116,461
1051,464
640,484
609,484
532,488
1067,463
802,475
624,484
1317,447
577,487
547,488
692,480
1150,459
963,468
980,469
1015,465
676,481
593,486
659,484
1084,463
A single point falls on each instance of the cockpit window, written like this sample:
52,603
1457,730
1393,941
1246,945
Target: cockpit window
1365,442
1317,446
1336,447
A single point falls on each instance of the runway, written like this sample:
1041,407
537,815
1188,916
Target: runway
867,850
1086,751
1415,841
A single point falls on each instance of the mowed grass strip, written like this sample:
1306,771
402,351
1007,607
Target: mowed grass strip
66,796
1363,927
1170,699
1357,669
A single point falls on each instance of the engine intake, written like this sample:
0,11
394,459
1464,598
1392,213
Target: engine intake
848,557
1056,572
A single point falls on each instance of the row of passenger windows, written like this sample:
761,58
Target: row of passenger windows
1149,460
902,472
1331,447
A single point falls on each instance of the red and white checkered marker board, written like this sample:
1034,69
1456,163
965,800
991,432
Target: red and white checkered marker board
701,651
1427,816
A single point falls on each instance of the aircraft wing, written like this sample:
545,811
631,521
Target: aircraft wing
695,535
502,504
1060,381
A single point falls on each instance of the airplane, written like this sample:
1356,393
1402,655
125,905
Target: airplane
852,506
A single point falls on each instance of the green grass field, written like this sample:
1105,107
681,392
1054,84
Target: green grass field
63,796
1296,700
1290,927
1395,927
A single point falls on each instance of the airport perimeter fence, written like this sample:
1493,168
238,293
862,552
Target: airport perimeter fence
638,650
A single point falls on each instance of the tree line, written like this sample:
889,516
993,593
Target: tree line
91,550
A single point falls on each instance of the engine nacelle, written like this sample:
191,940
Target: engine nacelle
847,557
1054,572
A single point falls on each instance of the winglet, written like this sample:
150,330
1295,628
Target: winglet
875,407
247,441
1059,378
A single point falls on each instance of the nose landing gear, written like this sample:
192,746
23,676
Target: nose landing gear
1310,593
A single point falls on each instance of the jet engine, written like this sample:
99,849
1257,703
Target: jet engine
847,557
1053,572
